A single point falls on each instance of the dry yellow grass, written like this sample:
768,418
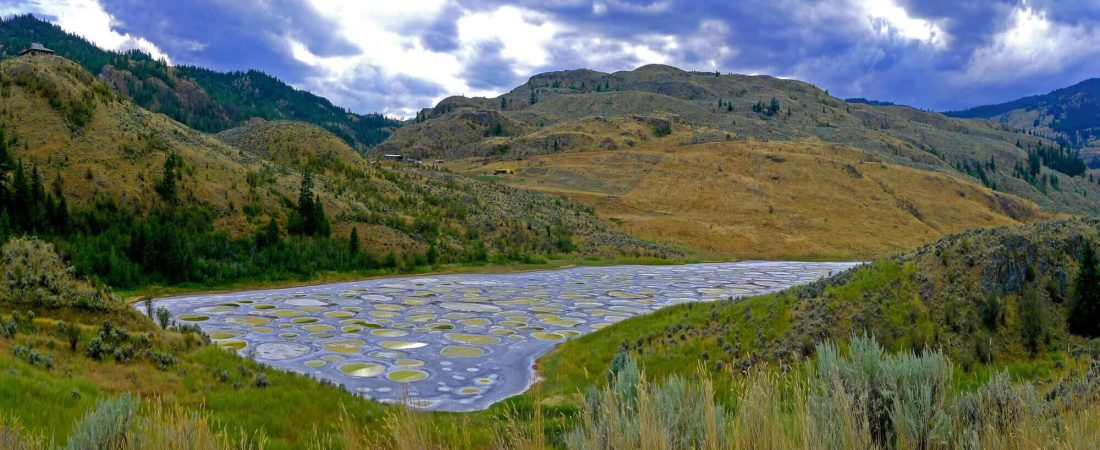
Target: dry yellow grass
751,199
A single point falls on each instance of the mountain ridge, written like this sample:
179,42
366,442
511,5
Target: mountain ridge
203,99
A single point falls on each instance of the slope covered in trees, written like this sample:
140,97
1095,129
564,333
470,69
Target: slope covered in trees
134,198
202,99
1070,116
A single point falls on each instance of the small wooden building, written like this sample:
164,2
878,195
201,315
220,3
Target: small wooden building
36,49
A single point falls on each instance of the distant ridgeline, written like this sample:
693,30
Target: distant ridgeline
1069,115
200,98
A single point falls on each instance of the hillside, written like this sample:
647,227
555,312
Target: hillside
202,99
775,200
989,298
1070,115
118,166
555,112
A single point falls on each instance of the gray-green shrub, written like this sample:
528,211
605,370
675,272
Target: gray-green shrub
108,426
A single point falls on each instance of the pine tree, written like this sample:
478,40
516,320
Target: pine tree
1084,316
353,241
167,185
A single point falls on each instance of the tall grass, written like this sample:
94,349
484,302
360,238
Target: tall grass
864,398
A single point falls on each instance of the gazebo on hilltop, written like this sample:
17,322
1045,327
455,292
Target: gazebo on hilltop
36,49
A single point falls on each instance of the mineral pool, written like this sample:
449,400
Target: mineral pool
458,342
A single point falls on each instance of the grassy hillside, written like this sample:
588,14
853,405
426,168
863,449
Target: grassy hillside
202,99
754,199
128,176
987,298
553,112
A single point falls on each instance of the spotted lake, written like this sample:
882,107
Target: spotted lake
458,342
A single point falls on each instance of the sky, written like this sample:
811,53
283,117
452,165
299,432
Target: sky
397,57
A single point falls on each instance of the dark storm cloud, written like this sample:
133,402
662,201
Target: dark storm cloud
840,45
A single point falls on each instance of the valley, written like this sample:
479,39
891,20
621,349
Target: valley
207,256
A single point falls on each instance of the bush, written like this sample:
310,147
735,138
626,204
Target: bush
32,272
892,397
631,413
106,427
70,333
163,317
1032,325
34,358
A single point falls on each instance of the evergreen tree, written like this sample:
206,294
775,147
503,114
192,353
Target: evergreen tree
1084,316
773,107
310,219
353,241
167,185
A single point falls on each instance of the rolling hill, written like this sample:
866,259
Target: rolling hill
109,156
200,98
862,179
1070,115
538,118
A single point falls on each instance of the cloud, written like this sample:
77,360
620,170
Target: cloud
88,19
398,57
1031,45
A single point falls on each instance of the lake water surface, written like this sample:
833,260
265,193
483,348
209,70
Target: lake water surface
458,342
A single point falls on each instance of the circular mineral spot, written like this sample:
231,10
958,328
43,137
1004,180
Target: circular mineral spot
383,314
421,318
250,320
407,375
193,318
362,369
409,362
484,381
501,331
479,322
219,309
457,351
333,358
288,335
280,350
387,354
339,314
261,330
543,336
351,329
389,307
385,332
315,363
233,344
305,302
262,306
401,345
361,322
318,327
469,391
470,307
511,323
345,346
476,339
322,335
305,320
223,334
287,313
